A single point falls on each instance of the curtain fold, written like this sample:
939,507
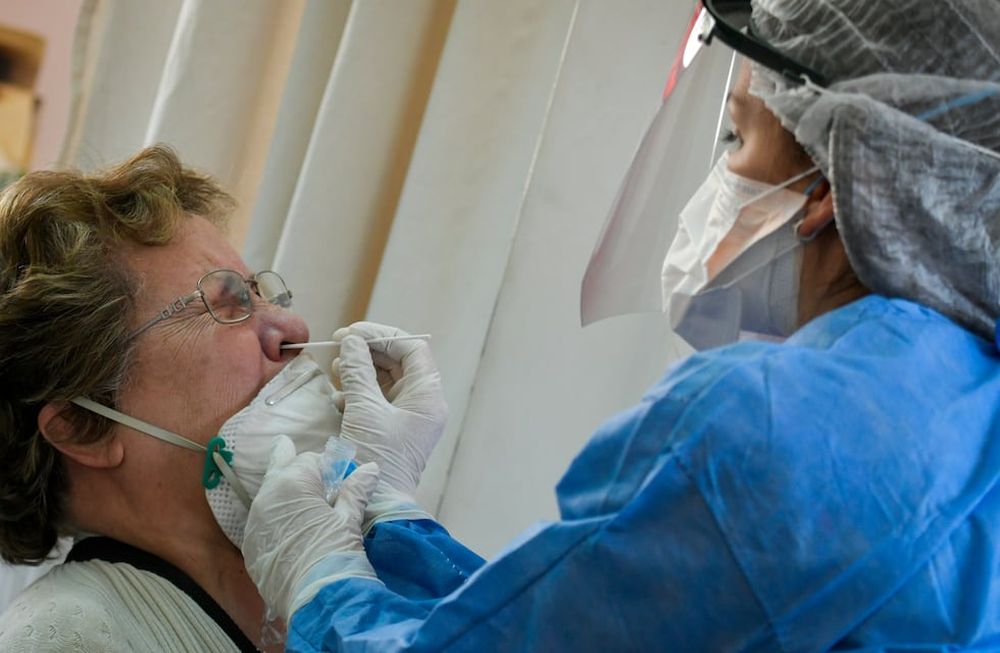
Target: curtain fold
316,48
358,155
118,57
448,250
226,67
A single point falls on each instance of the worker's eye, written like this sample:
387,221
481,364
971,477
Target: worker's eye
731,139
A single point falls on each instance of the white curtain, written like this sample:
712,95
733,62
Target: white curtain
441,165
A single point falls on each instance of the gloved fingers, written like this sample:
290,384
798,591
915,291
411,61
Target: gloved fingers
335,373
388,365
355,492
339,401
369,331
356,369
388,356
385,380
418,361
282,453
395,350
307,471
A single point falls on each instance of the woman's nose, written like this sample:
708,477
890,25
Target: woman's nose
278,326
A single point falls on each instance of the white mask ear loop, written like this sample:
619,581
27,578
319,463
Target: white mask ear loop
223,465
785,184
798,225
217,458
137,424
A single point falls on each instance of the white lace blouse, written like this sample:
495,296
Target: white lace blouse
102,606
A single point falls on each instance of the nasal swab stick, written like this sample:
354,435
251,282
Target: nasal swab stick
370,341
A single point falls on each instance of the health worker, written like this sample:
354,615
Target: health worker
827,483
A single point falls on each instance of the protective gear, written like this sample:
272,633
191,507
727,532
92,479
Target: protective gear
731,23
295,541
678,149
921,120
725,219
908,133
748,504
395,420
297,402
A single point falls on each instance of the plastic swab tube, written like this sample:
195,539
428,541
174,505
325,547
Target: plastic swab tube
370,341
338,463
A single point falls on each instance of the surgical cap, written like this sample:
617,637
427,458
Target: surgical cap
907,132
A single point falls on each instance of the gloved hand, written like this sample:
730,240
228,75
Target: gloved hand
392,401
295,543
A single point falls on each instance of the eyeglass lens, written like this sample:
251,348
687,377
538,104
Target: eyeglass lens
230,298
227,295
273,289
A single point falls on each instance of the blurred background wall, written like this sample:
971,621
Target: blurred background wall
53,23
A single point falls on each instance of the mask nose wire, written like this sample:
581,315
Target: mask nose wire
168,437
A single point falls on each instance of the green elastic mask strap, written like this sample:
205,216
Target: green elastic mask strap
218,461
217,458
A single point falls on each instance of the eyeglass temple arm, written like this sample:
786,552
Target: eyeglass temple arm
172,309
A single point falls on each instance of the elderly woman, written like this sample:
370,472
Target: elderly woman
835,491
85,262
125,314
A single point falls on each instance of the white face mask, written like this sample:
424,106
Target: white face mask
297,402
734,263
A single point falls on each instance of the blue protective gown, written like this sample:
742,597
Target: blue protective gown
837,491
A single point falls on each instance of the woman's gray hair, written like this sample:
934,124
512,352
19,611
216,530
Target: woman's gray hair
66,307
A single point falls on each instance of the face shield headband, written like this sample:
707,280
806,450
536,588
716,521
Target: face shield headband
731,21
681,145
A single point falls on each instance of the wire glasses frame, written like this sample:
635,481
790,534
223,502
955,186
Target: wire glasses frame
228,296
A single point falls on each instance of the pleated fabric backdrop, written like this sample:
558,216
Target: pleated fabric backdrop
441,165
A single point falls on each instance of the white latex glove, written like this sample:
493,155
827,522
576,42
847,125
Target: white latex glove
295,542
392,401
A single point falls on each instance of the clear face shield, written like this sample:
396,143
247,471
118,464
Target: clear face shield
651,215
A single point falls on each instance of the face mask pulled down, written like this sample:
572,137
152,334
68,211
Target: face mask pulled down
734,264
297,402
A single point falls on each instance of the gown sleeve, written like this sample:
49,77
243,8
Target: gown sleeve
637,562
784,498
418,559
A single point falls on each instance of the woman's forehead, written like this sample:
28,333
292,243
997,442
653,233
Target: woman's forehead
196,248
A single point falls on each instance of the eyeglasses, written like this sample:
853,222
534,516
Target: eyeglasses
228,296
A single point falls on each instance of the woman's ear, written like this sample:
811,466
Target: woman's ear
819,211
56,427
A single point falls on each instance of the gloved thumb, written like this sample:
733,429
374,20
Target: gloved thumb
282,453
357,371
355,492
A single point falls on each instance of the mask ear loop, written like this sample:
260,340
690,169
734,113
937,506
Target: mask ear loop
798,225
780,187
217,457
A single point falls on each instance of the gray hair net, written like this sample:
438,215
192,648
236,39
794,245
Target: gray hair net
907,133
